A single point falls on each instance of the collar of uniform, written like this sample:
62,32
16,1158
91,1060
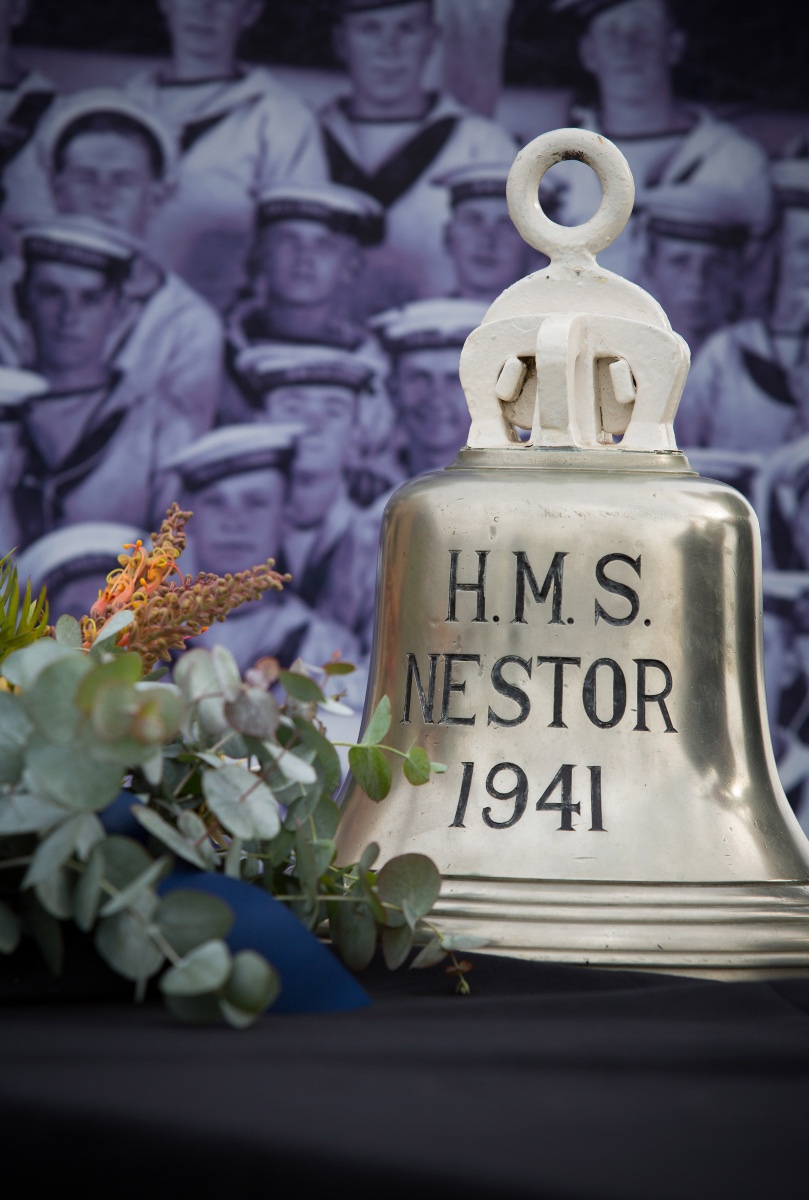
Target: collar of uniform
336,114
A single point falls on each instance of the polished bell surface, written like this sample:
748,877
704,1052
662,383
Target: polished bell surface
573,626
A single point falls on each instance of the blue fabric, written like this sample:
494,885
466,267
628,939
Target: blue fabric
312,979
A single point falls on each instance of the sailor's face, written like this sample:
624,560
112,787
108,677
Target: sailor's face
698,284
108,176
794,251
304,262
71,311
236,522
204,27
328,414
386,49
630,47
488,252
430,399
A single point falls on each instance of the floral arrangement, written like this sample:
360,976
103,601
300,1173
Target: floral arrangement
227,774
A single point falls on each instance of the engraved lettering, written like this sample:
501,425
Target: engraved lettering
511,691
553,580
657,698
450,686
463,798
562,779
519,793
617,589
479,588
559,665
618,693
427,701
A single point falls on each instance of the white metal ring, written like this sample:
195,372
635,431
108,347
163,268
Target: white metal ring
598,152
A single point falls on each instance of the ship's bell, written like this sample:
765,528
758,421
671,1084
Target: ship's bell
573,625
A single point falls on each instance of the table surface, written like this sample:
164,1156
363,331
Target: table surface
550,1082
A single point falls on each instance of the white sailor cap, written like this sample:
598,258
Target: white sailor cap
790,181
701,212
80,242
271,365
583,11
474,180
352,6
105,110
15,388
429,324
233,450
86,548
341,209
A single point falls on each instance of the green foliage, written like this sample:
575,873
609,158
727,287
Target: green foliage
224,775
22,619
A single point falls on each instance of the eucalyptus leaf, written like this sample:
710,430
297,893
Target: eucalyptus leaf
67,775
68,632
339,668
196,678
378,725
241,802
24,813
326,818
301,687
227,672
369,856
253,712
15,730
121,669
251,988
331,705
430,954
90,831
10,929
194,829
23,666
110,630
56,893
396,945
291,765
233,859
325,754
416,766
88,890
128,895
413,878
152,767
353,931
125,943
197,1010
52,852
187,918
204,969
124,859
371,770
167,834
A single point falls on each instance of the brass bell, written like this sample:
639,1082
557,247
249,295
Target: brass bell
573,625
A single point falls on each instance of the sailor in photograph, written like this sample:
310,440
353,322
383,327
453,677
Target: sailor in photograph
73,564
630,47
16,387
108,160
95,440
694,259
239,132
424,341
307,255
25,97
487,252
329,543
235,480
390,135
747,389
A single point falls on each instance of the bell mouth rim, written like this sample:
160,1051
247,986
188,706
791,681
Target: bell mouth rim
610,459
